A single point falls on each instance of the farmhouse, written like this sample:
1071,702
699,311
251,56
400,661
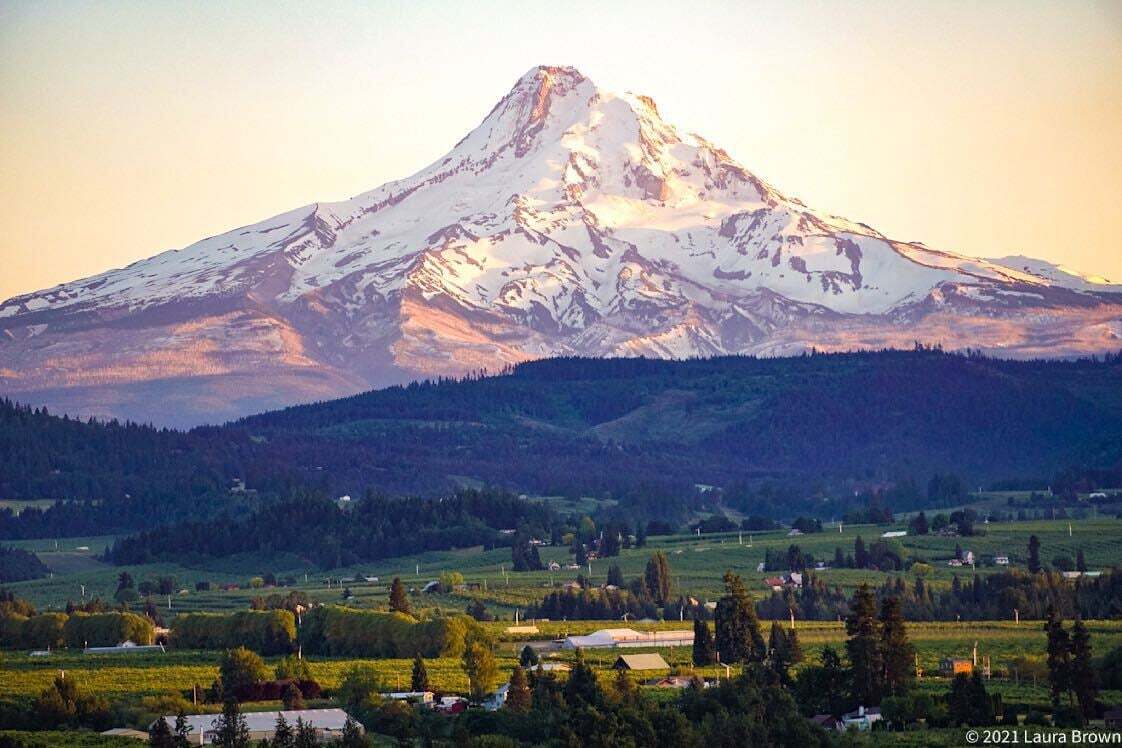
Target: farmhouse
327,723
951,666
828,722
641,662
862,719
1001,560
552,667
678,681
612,638
413,697
125,647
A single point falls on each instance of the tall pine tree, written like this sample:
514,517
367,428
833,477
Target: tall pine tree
1059,655
1083,678
864,649
738,629
703,649
897,652
657,578
420,677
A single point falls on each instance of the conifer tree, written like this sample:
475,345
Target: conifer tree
352,735
615,576
292,697
159,734
1034,554
305,734
657,578
420,678
738,629
1083,676
778,657
864,649
283,736
1059,655
230,728
528,658
519,699
182,730
399,603
897,652
703,649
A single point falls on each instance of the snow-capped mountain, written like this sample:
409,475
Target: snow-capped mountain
571,221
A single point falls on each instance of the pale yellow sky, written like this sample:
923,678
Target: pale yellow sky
127,128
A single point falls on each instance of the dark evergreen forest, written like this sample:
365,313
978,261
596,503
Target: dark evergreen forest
772,433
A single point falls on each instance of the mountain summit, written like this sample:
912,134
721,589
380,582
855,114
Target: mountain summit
571,221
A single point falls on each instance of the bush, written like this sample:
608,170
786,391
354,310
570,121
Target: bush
361,686
292,668
240,668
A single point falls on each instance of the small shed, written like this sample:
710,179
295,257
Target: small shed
641,662
952,666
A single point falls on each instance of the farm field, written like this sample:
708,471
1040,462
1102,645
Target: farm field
146,674
697,564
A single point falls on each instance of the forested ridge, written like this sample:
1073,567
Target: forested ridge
641,431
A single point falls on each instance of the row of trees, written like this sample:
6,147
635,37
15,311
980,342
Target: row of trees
53,630
374,527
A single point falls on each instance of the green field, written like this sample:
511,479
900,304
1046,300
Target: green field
122,675
697,564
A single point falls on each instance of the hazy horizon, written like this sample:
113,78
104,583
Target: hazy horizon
129,129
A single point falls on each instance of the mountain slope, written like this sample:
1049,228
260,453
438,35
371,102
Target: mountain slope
572,221
640,431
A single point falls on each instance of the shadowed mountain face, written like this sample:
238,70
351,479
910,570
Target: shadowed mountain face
572,221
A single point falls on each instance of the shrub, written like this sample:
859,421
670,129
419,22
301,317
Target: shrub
240,668
292,668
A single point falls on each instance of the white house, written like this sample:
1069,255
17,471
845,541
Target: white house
1001,560
894,534
862,719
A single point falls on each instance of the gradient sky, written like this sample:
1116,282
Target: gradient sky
128,128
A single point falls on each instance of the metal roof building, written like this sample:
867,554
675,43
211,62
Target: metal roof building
610,638
641,662
328,724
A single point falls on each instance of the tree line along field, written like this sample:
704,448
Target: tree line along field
696,563
148,674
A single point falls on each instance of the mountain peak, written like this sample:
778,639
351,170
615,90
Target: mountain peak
571,221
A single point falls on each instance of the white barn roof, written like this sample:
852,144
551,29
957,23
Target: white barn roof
331,720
